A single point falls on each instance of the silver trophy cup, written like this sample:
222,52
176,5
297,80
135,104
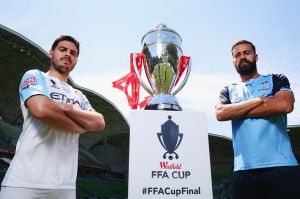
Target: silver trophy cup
164,63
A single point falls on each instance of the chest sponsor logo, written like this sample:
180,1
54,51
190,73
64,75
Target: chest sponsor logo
29,81
64,99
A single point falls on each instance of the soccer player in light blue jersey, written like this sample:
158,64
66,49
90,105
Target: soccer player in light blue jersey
264,164
46,159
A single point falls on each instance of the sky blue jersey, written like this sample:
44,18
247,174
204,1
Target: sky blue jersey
259,142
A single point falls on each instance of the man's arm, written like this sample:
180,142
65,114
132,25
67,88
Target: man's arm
53,113
226,112
281,103
90,120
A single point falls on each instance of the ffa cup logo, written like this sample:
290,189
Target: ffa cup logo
170,138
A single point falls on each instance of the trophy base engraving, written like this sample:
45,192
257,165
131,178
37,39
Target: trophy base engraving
163,101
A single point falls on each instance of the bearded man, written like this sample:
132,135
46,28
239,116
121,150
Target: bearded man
264,164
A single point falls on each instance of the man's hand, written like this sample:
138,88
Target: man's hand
90,120
281,103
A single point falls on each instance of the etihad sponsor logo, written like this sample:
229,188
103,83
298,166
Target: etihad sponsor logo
29,81
64,99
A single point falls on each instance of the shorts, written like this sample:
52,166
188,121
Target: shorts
267,183
29,193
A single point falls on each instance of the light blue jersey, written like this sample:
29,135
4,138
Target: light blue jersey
259,142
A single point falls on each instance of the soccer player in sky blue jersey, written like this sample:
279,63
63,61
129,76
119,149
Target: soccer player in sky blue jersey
46,159
264,164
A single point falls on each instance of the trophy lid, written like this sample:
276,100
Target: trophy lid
161,33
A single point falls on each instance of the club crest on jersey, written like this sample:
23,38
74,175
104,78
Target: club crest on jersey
29,81
264,86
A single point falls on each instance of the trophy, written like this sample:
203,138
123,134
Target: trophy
164,63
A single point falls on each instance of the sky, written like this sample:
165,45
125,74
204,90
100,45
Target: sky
108,31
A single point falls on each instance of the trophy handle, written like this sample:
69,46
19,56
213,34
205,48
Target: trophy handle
185,62
161,142
180,139
141,57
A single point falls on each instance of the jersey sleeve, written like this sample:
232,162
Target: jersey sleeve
87,104
33,83
280,82
224,96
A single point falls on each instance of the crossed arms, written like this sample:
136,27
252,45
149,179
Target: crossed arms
281,103
64,116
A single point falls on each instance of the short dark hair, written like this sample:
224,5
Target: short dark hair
244,42
65,38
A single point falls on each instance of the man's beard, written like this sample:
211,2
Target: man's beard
59,67
246,69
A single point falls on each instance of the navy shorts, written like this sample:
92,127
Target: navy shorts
267,183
